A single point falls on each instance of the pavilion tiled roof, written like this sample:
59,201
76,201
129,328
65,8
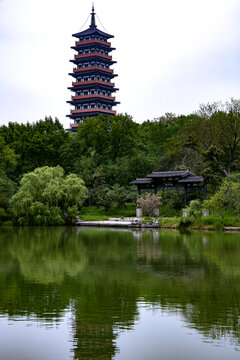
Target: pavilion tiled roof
192,179
141,181
180,177
164,174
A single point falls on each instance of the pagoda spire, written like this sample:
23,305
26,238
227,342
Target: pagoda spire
93,22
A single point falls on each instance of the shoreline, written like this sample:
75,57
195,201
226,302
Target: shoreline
136,224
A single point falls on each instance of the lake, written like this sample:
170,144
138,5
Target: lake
84,293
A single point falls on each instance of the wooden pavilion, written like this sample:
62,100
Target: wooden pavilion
182,180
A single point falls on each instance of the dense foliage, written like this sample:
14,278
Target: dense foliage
226,198
107,153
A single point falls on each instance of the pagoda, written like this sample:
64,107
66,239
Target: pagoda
92,86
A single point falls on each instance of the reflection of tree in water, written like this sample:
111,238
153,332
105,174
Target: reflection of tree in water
199,275
48,257
36,262
104,273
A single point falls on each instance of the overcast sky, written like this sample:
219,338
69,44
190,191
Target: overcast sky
171,55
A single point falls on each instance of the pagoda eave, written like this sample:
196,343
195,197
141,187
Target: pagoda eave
91,113
104,47
91,68
87,59
94,98
92,31
93,72
90,84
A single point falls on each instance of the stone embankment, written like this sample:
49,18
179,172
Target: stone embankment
116,222
232,228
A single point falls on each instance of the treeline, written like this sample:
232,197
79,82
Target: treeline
107,153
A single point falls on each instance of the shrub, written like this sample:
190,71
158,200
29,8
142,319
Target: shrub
149,203
184,223
194,209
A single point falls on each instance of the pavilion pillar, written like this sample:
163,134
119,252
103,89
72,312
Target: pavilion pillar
185,190
139,190
205,192
155,190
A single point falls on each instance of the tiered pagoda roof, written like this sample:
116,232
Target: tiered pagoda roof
92,85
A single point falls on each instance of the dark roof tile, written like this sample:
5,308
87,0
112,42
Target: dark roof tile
91,31
141,181
167,174
191,179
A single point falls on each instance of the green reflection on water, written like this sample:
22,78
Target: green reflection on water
104,274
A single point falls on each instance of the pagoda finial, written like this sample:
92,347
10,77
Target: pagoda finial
93,22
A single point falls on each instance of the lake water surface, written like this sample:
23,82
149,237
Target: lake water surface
81,293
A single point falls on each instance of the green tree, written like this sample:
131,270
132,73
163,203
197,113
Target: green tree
8,158
36,144
161,130
107,138
69,153
46,197
226,198
225,121
7,189
8,162
118,195
122,139
214,130
212,166
99,189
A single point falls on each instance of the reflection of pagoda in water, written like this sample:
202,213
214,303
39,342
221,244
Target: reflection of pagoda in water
93,87
100,313
94,341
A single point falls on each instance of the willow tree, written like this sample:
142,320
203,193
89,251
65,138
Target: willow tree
46,197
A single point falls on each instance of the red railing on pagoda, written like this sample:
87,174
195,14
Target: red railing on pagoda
92,54
93,68
93,96
92,41
92,82
93,110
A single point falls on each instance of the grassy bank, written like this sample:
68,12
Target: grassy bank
94,213
212,222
